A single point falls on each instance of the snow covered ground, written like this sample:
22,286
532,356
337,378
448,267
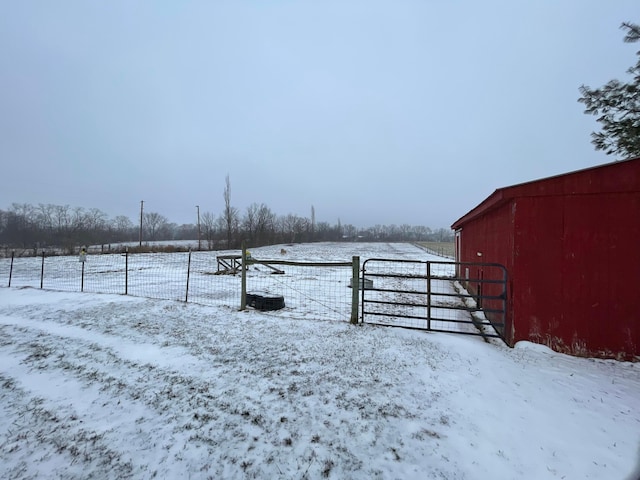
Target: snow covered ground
111,386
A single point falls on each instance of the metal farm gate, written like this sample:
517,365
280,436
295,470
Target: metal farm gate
455,297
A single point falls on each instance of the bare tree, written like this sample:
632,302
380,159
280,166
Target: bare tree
443,235
61,218
230,214
422,232
350,231
96,219
293,227
249,221
406,231
208,224
21,225
324,231
265,224
123,227
44,215
153,222
169,231
4,221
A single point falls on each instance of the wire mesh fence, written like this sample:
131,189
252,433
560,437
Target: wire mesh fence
23,272
184,276
210,286
307,288
318,289
433,295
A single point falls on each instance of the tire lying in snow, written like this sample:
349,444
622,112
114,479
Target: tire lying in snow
264,301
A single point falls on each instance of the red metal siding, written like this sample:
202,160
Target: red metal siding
492,236
601,264
537,291
574,289
571,245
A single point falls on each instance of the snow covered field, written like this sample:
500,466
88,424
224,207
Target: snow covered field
112,386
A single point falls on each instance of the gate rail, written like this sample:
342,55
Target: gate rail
441,296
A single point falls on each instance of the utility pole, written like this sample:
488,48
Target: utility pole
141,210
198,207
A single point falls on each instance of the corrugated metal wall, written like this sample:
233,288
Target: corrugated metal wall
601,271
573,258
492,238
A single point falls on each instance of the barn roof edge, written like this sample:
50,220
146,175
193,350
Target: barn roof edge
504,194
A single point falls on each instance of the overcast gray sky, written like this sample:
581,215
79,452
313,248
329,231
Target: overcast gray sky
373,112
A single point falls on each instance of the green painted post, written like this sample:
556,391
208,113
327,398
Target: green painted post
243,282
355,288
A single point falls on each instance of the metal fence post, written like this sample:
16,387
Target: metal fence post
428,295
42,271
13,254
355,288
243,277
364,267
186,295
480,287
126,270
82,279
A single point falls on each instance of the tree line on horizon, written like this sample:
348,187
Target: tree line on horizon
46,226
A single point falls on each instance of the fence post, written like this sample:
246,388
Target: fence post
243,276
355,288
186,295
13,253
126,270
42,271
82,279
428,295
480,287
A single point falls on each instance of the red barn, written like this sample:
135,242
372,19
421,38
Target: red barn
571,246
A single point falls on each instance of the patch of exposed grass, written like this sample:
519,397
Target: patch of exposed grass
444,249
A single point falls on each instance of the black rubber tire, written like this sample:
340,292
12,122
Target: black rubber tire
264,302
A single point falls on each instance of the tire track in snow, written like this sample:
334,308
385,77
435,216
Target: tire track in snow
274,400
79,396
77,369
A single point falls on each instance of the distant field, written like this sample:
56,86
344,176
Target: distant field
445,249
